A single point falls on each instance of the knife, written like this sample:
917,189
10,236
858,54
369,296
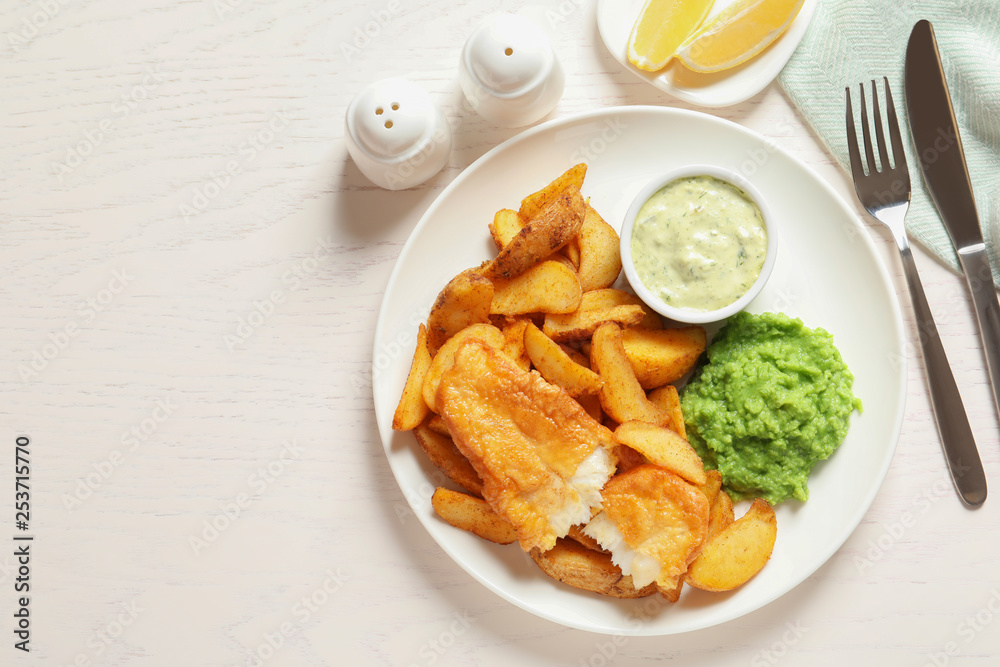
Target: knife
942,161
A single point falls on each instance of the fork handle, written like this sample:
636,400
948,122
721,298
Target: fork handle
953,425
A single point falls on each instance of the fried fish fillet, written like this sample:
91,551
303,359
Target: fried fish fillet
543,460
654,524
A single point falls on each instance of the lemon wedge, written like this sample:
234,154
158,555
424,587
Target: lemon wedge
661,27
737,34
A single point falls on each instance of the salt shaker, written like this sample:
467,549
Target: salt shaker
396,135
509,72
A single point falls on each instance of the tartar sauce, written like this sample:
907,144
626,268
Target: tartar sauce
699,243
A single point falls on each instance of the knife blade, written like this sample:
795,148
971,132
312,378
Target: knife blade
942,163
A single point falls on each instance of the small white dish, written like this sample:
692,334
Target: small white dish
615,19
396,135
509,71
688,315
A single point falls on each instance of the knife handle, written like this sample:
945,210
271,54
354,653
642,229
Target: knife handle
976,264
953,425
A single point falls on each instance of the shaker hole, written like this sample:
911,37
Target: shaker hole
378,111
508,51
395,106
388,124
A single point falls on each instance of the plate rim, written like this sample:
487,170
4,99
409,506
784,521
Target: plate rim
589,115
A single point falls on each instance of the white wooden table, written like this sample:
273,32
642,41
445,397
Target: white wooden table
193,269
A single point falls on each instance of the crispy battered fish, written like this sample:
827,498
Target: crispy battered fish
654,524
542,458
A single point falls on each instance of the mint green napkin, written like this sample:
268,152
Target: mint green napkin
854,41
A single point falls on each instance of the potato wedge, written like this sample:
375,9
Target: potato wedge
576,533
601,299
436,424
443,453
662,356
536,202
664,448
549,287
576,565
582,323
572,250
445,357
712,485
720,515
600,259
412,409
541,236
733,556
667,398
505,226
575,354
472,514
513,341
621,396
558,367
464,300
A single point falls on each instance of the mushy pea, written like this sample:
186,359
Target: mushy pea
774,399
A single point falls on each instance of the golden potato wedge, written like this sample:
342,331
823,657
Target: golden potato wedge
600,259
541,236
720,515
662,356
733,556
412,409
536,202
564,260
549,287
712,485
600,299
583,322
473,515
445,357
667,399
513,341
621,396
505,226
464,300
575,354
436,424
443,453
572,250
576,533
664,448
576,565
558,367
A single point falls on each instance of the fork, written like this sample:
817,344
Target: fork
885,194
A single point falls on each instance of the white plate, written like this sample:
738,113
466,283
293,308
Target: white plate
615,19
827,273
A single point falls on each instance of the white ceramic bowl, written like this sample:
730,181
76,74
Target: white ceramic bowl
509,72
688,315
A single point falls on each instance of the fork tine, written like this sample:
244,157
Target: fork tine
898,156
883,153
867,133
852,139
